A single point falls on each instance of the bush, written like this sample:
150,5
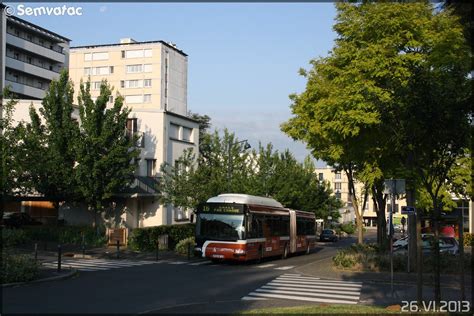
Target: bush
344,259
185,244
146,238
14,237
65,234
348,228
18,268
468,239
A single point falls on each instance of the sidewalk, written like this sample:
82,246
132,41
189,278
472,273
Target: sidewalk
324,269
104,253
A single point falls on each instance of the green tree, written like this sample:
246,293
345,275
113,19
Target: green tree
49,143
396,76
9,150
106,155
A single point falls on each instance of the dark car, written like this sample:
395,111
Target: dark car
328,235
16,220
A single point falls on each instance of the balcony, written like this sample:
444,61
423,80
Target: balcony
21,88
35,48
23,66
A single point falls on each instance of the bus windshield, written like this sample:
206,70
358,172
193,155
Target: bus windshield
221,226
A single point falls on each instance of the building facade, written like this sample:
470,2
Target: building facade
30,57
152,79
339,184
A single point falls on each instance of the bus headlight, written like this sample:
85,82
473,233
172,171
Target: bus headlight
239,251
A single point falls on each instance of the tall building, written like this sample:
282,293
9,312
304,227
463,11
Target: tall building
30,56
152,78
340,186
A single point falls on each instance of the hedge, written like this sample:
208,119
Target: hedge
61,234
18,268
146,238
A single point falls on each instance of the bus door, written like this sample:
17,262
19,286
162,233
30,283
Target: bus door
292,231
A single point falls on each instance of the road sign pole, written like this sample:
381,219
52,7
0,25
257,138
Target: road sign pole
392,209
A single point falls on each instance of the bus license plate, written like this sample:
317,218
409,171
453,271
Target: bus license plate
218,256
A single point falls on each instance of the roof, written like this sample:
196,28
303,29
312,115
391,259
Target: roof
34,26
131,43
244,199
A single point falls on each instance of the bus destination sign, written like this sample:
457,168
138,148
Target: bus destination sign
222,208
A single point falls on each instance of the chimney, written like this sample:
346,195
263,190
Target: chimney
127,40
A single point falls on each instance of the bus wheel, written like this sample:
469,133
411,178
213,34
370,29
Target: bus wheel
308,249
285,252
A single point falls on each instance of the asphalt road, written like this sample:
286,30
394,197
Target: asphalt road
160,287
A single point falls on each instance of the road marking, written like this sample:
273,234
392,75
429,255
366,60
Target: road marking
249,298
312,289
199,263
301,298
177,262
285,268
90,265
266,265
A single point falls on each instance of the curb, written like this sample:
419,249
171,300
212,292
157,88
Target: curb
72,273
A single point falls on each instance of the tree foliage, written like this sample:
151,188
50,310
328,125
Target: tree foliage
49,143
225,166
106,156
394,83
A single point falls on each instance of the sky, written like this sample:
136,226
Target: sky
243,58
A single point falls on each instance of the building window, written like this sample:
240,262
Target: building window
147,83
111,99
187,134
147,68
180,214
88,57
337,185
96,85
150,167
87,71
338,175
146,98
132,125
321,177
122,83
111,69
338,195
174,131
123,54
134,68
148,53
133,99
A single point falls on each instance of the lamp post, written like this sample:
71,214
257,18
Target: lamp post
229,168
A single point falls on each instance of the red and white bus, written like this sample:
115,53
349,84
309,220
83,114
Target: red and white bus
245,227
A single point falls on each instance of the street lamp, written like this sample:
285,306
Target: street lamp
229,169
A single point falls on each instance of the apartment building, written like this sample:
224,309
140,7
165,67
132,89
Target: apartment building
340,186
152,78
30,56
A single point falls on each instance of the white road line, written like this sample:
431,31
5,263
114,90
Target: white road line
266,265
291,274
319,282
107,263
249,298
199,263
309,292
283,277
301,298
285,268
177,262
328,289
79,267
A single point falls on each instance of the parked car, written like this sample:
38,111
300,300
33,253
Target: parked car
447,245
328,235
17,219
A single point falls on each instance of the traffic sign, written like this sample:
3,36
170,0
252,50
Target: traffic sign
408,210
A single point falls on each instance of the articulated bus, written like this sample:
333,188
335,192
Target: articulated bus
244,227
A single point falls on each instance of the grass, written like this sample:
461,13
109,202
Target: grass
325,309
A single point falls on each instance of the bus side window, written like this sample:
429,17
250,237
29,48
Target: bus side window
256,226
